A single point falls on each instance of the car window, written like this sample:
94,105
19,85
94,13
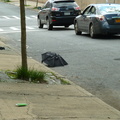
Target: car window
92,10
65,4
47,5
86,11
109,9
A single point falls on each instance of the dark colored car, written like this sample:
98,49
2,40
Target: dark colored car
58,13
99,19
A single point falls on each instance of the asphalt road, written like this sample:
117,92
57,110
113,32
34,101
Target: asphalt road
94,64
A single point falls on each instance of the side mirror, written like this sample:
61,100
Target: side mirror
81,12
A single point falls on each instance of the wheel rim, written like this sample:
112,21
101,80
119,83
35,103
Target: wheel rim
38,22
76,27
91,31
48,24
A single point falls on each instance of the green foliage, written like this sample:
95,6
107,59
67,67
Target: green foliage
27,5
11,74
31,75
22,73
7,1
64,82
37,76
35,8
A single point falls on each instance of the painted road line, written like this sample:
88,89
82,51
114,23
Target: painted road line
33,16
30,28
27,17
5,17
14,28
9,32
16,17
1,30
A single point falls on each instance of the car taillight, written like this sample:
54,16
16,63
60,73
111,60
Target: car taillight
77,8
101,18
53,20
55,9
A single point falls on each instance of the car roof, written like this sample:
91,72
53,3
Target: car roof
104,4
61,0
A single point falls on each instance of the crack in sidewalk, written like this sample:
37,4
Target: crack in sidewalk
29,107
1,115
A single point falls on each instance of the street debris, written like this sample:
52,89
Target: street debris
21,104
53,59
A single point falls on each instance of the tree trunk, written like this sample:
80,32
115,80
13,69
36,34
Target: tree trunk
23,35
25,3
36,3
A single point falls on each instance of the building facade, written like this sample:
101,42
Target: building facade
84,3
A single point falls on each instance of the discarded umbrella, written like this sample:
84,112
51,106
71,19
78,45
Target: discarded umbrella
53,59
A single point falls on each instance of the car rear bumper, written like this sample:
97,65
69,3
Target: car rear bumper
59,21
107,29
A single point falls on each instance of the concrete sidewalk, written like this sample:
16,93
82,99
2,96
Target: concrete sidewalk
44,101
52,102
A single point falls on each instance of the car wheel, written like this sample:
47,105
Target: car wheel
40,25
91,31
77,32
49,26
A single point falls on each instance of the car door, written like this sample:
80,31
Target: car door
89,18
83,19
44,12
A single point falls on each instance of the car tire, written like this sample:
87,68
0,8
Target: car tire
40,25
91,31
49,26
77,32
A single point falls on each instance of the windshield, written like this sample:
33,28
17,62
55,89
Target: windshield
109,9
65,4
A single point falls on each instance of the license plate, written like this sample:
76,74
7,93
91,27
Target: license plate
117,20
67,13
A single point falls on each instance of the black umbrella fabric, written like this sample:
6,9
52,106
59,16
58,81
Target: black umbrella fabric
53,59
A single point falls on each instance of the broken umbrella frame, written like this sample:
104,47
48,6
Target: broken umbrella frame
53,59
2,48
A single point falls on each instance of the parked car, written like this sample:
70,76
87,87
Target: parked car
99,19
58,13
